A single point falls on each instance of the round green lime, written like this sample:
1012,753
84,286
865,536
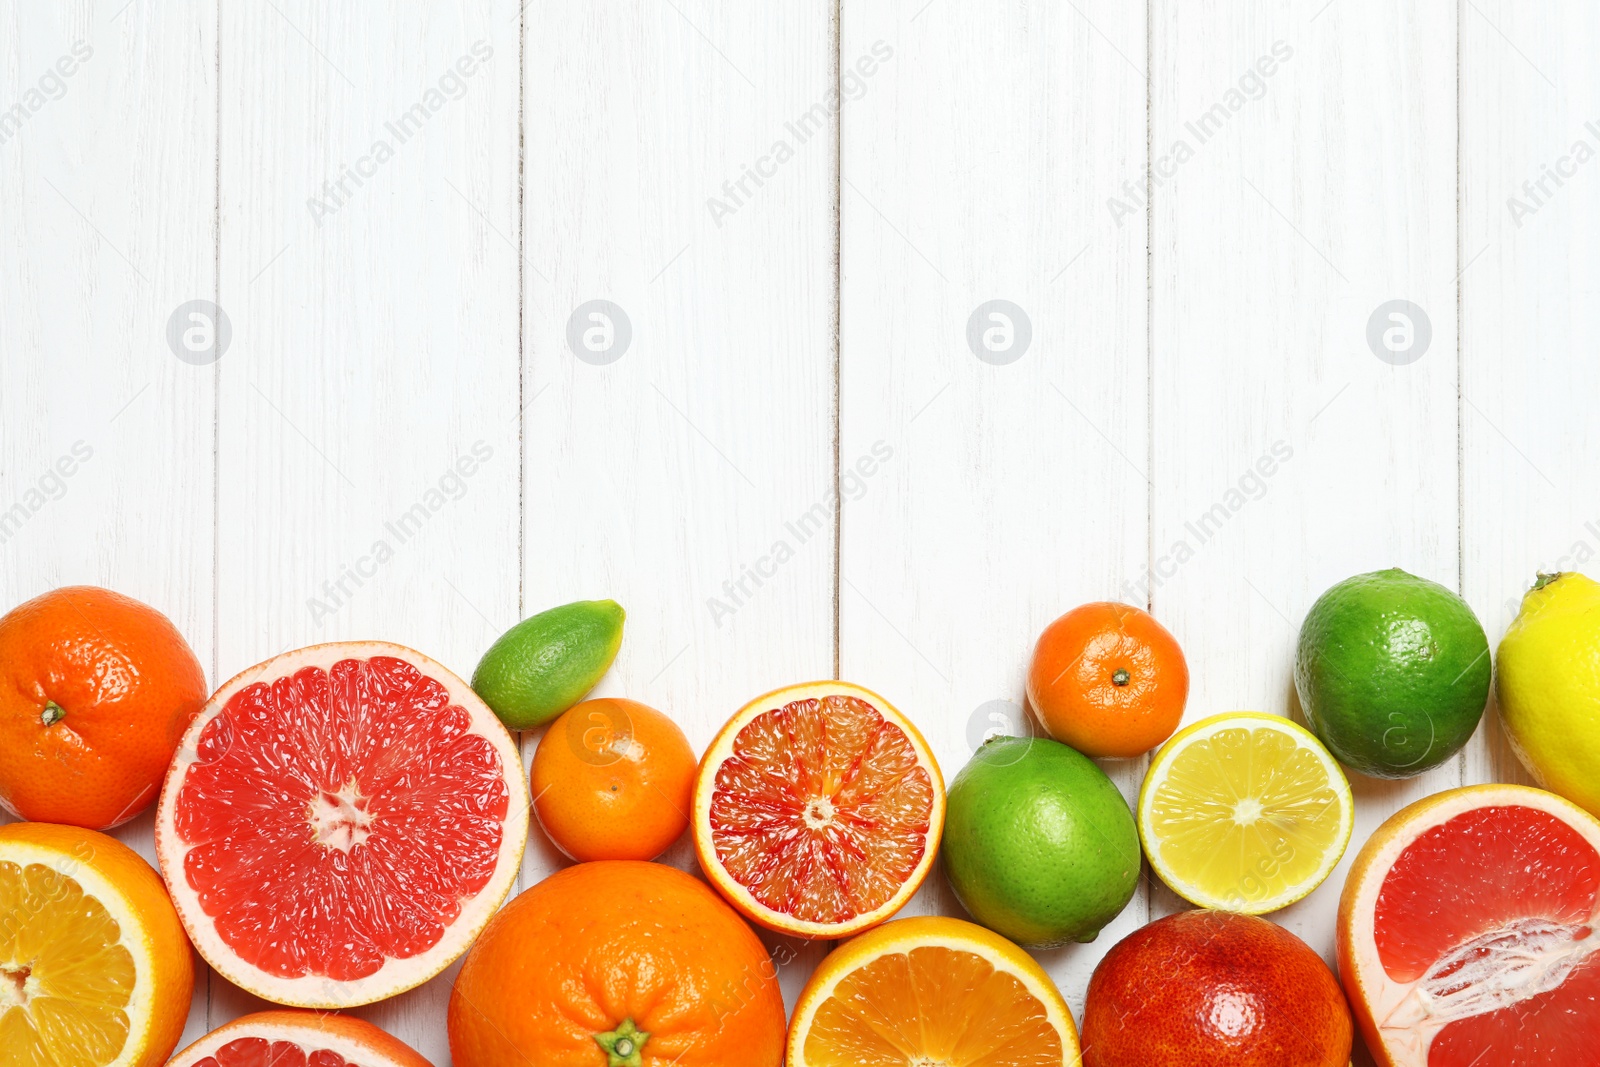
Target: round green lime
548,662
1038,843
1392,672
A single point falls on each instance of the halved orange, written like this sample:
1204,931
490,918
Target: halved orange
1467,932
94,967
818,810
931,990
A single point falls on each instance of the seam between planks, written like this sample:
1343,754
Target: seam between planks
836,312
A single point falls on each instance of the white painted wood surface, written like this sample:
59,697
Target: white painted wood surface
680,161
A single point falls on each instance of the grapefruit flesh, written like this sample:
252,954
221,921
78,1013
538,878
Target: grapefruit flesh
339,823
818,810
298,1039
1479,942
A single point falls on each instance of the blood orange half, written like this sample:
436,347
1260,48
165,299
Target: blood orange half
818,810
1467,932
297,1039
339,823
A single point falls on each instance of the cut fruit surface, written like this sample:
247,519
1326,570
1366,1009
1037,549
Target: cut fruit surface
339,823
94,968
1466,932
931,990
818,809
1245,812
298,1039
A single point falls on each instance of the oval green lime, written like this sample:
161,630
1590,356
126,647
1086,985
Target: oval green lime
1038,843
1393,672
548,662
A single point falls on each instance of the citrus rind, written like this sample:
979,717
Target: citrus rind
1238,901
396,975
743,900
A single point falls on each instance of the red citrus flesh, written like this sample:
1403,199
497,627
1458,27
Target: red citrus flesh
822,811
339,816
298,1039
1505,949
259,1052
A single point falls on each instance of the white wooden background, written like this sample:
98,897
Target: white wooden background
812,317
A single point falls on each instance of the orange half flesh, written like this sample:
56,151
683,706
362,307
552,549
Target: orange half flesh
931,992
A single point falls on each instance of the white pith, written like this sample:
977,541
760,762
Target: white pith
396,975
814,996
817,813
134,935
309,1037
1247,811
1528,957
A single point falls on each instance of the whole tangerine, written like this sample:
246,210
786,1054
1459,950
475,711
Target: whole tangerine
96,690
612,780
1109,680
617,962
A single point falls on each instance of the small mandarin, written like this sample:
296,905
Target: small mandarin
96,689
1109,680
612,780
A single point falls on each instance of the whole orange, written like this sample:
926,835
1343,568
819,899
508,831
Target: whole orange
612,780
1215,989
1109,680
617,962
96,689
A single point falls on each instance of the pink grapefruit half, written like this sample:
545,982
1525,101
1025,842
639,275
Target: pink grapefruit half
339,823
297,1039
1467,932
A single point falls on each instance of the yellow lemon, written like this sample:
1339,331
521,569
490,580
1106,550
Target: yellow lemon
1244,811
1548,682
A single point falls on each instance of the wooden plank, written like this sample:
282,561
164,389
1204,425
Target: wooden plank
1318,184
107,153
991,482
670,449
1530,217
369,461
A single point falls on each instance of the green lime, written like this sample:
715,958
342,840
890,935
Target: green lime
548,662
1038,844
1393,672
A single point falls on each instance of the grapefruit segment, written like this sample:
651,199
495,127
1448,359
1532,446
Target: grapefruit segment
297,1039
339,822
817,810
1466,932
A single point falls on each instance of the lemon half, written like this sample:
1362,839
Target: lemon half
1244,811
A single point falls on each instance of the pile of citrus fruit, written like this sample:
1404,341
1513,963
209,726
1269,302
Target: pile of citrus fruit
342,822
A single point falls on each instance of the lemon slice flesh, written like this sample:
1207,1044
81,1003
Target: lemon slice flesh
1244,811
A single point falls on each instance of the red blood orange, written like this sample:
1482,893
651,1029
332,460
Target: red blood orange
817,810
297,1039
1214,989
1466,932
339,823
